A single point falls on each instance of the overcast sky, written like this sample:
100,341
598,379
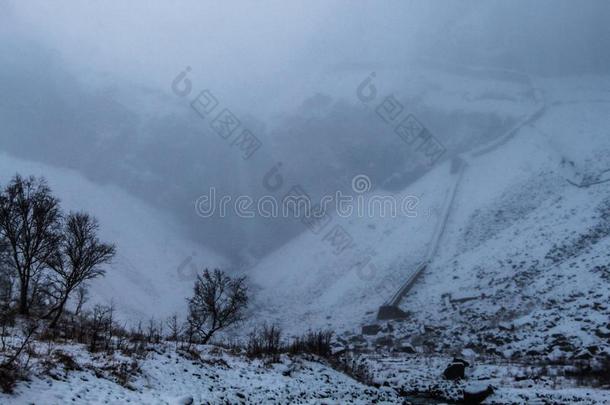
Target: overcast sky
257,53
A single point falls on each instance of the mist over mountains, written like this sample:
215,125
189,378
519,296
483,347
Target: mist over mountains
136,134
454,162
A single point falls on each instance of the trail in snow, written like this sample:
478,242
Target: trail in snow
460,166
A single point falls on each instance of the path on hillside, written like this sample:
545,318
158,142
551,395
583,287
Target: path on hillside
458,165
390,309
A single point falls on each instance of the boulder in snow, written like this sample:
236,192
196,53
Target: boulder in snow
186,400
475,393
371,330
456,370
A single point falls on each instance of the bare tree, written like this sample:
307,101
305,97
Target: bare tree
79,258
30,224
154,331
99,327
218,301
175,329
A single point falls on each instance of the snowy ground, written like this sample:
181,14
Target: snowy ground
66,373
513,383
164,377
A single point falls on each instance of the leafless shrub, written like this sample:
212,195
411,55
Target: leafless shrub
265,341
66,360
16,361
313,342
98,328
7,321
175,328
154,331
124,372
354,366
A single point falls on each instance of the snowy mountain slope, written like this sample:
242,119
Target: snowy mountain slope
526,254
306,283
152,272
519,285
514,219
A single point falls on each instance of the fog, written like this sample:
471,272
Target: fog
91,86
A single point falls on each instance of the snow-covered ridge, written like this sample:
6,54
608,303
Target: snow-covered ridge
152,272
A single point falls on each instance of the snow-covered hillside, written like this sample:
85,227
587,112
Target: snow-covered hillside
523,268
307,284
519,234
152,273
520,279
214,376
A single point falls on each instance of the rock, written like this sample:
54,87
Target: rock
337,349
475,393
584,355
507,326
603,332
461,297
459,360
455,371
556,354
405,347
389,312
187,400
371,330
384,341
490,350
357,339
341,340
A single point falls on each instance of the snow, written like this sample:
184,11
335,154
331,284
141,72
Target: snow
215,377
524,260
307,282
420,374
502,208
532,246
144,280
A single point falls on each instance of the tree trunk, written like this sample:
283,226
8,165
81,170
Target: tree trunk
58,312
208,336
24,308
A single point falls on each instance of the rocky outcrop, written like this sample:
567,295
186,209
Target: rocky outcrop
456,370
